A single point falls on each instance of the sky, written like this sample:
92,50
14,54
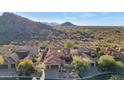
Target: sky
77,18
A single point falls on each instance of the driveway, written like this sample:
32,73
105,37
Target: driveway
52,73
8,72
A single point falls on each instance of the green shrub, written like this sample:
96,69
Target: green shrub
80,65
108,63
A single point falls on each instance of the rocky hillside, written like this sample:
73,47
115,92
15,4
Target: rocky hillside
17,28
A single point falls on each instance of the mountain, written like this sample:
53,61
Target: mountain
14,28
17,28
67,24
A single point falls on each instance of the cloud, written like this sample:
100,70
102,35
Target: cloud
93,14
70,18
88,15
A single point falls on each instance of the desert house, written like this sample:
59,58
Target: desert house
53,57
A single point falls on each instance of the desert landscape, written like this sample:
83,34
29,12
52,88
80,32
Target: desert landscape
53,51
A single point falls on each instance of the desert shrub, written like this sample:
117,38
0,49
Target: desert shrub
69,44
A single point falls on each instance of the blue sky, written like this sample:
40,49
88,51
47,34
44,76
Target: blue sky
78,18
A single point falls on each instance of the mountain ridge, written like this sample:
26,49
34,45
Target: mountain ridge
17,28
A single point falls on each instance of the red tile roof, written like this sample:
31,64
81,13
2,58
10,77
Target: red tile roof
53,57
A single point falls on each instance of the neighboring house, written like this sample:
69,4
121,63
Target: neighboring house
10,61
81,51
33,50
12,58
5,51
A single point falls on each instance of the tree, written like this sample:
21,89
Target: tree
80,65
1,59
25,67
